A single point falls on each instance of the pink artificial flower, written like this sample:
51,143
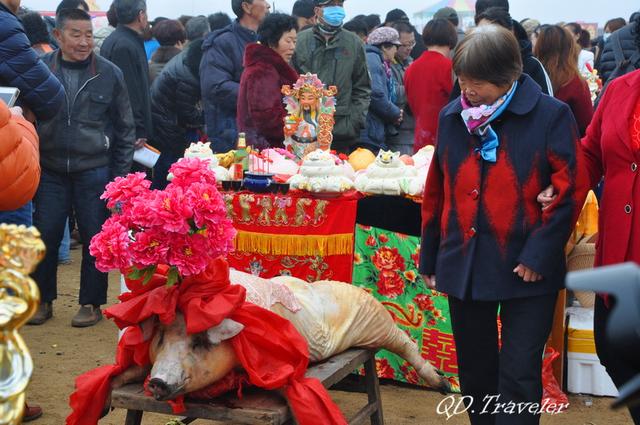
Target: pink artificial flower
167,209
189,253
185,225
221,238
124,189
110,247
150,248
206,202
191,170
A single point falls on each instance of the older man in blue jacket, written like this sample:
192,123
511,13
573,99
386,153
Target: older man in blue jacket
221,69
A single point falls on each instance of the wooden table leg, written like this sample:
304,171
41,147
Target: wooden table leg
134,417
373,390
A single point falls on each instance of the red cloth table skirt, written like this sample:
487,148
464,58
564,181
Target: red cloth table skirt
294,234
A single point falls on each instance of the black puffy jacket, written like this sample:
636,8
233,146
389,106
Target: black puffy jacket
627,38
176,101
21,68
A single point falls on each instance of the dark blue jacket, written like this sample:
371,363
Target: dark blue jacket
20,67
220,72
481,219
382,111
125,48
175,101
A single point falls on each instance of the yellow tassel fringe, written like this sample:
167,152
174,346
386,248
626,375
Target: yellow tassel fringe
298,245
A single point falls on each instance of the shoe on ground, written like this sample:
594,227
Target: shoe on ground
64,262
31,412
87,315
44,313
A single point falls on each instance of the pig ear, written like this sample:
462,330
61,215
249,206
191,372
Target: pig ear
225,330
148,327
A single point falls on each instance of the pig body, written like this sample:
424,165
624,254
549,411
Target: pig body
331,316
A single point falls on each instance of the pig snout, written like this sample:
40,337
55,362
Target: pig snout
160,389
183,363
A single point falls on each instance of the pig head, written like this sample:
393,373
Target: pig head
184,363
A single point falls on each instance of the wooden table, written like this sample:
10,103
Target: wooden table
260,406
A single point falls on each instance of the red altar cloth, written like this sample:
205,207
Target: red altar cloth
294,234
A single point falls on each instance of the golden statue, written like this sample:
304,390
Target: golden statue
20,251
309,122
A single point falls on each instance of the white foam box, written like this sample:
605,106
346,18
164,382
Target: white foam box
585,374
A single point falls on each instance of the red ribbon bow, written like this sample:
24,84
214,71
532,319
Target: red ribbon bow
271,350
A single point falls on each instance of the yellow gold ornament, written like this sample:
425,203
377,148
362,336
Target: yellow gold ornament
20,251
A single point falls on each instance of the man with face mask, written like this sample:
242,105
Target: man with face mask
338,58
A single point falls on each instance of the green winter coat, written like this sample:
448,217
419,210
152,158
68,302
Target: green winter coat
339,62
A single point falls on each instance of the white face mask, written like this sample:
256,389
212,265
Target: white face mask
606,35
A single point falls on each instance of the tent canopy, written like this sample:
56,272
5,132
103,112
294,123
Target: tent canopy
461,6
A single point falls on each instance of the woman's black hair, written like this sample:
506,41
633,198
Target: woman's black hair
357,26
496,15
273,26
169,32
440,32
218,20
35,27
482,5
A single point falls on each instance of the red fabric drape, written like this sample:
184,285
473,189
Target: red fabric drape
271,350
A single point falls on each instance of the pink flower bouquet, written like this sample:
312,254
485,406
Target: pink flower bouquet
184,226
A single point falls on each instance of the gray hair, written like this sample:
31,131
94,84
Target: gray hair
197,27
128,10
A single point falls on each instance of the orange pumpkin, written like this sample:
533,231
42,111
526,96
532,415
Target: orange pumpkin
361,158
19,160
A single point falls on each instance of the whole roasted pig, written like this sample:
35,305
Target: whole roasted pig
331,316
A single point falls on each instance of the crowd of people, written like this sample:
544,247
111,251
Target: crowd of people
506,105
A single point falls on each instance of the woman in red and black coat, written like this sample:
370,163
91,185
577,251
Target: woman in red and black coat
486,242
260,110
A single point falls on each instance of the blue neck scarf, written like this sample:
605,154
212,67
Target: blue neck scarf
478,122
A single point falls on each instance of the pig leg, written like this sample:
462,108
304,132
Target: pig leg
381,331
362,321
129,376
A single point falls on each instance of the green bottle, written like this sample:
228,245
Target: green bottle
242,156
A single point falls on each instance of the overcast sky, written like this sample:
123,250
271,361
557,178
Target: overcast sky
547,11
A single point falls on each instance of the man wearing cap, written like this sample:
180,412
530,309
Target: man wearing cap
450,14
338,58
303,11
221,69
399,15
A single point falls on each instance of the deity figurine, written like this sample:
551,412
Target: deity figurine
309,122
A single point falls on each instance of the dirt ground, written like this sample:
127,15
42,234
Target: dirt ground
61,353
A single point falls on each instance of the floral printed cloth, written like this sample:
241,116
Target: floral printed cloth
385,264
